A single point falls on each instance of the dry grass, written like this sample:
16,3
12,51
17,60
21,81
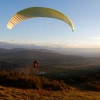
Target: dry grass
29,94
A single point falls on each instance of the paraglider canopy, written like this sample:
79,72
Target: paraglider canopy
34,12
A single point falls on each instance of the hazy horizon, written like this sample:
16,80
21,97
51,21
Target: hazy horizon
85,52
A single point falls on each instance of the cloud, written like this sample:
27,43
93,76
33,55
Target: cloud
16,42
1,40
95,38
84,44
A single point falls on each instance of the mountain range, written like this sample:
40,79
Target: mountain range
84,52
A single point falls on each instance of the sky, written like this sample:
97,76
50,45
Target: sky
85,15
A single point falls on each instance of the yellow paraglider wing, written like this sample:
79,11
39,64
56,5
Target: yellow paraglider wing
37,12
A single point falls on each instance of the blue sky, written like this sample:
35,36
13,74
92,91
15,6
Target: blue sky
85,15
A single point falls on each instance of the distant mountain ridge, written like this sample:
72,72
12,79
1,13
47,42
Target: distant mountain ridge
85,52
24,56
3,50
35,53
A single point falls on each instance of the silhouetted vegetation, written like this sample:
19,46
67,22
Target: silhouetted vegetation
79,79
21,80
93,86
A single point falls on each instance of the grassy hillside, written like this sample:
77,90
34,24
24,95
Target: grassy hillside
66,77
16,86
7,93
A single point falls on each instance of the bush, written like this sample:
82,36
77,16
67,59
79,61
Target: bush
93,86
83,79
21,80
